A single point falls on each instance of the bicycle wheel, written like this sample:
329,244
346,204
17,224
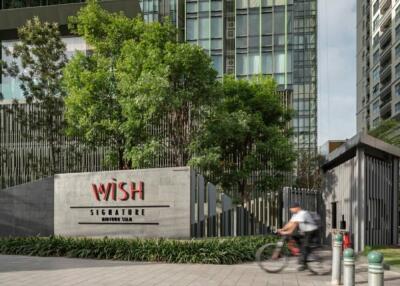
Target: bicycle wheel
272,257
319,263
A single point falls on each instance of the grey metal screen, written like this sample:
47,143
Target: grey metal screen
379,201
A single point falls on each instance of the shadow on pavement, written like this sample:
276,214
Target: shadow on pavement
12,263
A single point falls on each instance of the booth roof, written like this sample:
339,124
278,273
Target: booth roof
348,149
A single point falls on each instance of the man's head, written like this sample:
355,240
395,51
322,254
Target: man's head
295,208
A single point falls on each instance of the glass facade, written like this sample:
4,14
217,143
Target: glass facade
270,37
10,87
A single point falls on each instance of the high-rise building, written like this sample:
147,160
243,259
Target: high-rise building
378,65
251,37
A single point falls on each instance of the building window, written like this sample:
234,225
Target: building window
254,63
397,17
375,90
216,5
375,122
279,21
191,29
397,107
397,71
376,7
191,7
398,32
397,89
241,4
267,63
376,23
375,75
375,106
216,27
375,40
279,62
397,52
10,86
204,28
375,58
204,6
241,25
267,23
217,61
267,3
241,64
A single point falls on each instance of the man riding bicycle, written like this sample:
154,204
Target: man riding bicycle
308,231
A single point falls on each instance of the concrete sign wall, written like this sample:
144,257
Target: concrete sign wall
27,210
140,203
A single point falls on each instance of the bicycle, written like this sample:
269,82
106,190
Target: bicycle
274,257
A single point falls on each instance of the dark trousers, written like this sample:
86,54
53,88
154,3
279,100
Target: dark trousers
304,241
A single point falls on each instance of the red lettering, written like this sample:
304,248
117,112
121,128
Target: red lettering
138,190
101,190
114,190
96,191
125,196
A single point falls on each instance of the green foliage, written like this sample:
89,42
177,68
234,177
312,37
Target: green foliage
391,254
208,251
245,142
41,56
388,131
175,84
137,79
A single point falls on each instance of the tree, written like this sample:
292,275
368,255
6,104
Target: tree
175,85
139,89
93,110
245,142
309,174
39,58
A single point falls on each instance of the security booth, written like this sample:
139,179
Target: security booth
361,191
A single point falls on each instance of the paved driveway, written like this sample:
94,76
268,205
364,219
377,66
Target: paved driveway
32,271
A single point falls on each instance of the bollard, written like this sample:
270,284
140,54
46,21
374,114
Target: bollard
336,263
375,269
348,267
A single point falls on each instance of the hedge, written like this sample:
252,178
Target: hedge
208,251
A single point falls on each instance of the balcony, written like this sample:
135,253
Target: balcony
386,37
386,56
385,73
386,110
384,5
385,107
385,20
385,91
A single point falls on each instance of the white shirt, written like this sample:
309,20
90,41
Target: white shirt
306,222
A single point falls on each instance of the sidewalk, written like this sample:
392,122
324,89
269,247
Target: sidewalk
35,271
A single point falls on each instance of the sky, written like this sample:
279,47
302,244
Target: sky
336,69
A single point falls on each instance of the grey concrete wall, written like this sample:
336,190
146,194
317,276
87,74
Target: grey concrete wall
339,184
28,209
164,211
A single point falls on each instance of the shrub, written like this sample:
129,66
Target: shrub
208,251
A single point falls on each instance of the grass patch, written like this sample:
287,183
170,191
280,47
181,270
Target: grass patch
391,254
208,251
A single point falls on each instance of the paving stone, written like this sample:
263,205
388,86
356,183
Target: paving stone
49,271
